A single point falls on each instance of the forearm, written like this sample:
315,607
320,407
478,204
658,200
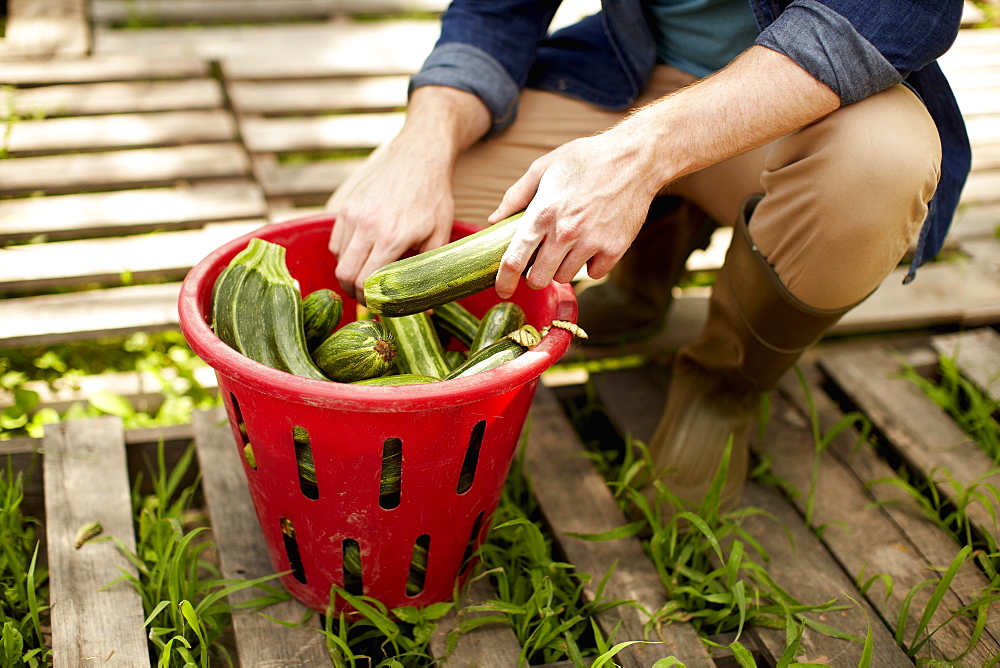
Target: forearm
441,122
761,96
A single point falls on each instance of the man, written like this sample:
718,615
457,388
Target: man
823,130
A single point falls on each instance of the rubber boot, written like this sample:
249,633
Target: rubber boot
756,330
632,303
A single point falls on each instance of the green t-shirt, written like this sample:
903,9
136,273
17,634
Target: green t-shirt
701,36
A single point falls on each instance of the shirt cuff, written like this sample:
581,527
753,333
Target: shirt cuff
472,70
826,45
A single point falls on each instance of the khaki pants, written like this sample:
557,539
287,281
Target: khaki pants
843,197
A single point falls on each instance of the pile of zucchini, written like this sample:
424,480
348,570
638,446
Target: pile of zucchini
258,310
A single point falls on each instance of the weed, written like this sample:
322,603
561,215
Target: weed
975,412
183,593
22,581
380,637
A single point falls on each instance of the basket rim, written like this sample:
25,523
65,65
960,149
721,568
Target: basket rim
227,362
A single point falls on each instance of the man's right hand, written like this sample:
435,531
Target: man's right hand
401,199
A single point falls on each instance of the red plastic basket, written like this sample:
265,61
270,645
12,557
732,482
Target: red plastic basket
450,433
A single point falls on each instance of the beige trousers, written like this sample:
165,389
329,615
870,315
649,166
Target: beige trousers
843,197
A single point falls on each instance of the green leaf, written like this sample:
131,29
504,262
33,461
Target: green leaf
617,533
111,403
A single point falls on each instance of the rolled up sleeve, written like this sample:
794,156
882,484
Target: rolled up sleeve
860,48
472,70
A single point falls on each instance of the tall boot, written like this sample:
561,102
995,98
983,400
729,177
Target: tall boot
756,330
632,303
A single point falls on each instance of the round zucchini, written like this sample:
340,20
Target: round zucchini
360,349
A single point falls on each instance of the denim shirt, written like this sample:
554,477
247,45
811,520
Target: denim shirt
494,48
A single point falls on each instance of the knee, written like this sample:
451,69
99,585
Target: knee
872,163
849,194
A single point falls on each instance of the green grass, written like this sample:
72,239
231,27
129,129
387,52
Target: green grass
974,411
183,593
165,355
23,592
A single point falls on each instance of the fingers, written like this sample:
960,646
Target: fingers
351,261
516,259
519,195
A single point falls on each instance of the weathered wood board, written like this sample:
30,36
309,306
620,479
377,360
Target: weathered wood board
91,622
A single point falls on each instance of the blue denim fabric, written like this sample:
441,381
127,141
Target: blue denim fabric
493,48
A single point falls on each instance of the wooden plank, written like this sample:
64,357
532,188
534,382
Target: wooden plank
923,436
243,555
982,188
986,156
315,179
162,254
634,399
943,293
121,169
804,568
983,130
863,537
115,131
112,67
226,11
977,354
574,498
61,217
349,131
62,318
112,97
341,48
86,480
976,221
47,28
490,644
857,531
318,96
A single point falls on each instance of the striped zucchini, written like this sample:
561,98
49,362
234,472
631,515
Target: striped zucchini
397,379
456,320
506,349
454,358
358,350
257,310
321,313
418,348
502,319
453,271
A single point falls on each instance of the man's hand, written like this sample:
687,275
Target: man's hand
401,198
585,201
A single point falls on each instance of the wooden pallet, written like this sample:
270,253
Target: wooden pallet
858,538
129,165
168,141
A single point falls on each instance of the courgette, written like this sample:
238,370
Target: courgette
506,349
418,348
321,313
397,379
500,320
454,358
454,319
453,271
358,350
257,310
